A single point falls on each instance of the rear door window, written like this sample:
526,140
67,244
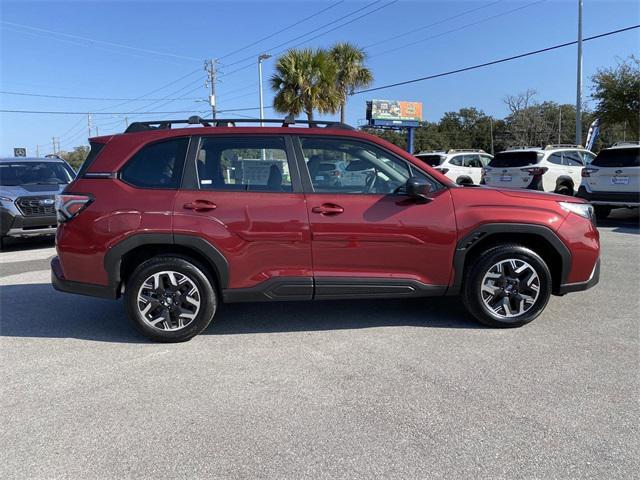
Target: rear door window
572,159
618,158
244,164
514,159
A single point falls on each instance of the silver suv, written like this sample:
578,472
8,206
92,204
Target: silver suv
28,187
555,168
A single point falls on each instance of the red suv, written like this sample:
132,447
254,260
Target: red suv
181,220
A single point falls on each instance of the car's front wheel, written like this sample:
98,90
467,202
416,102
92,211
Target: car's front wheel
507,286
170,299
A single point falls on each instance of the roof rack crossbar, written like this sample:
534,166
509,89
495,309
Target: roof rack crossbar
562,145
225,122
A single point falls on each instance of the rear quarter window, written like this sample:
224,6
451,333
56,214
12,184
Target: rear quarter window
514,159
618,158
431,160
157,165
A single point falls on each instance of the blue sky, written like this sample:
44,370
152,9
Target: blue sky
124,49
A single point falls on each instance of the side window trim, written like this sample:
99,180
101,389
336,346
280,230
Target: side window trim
307,185
190,176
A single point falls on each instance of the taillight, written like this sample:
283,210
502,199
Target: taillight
69,205
336,173
587,171
535,171
442,170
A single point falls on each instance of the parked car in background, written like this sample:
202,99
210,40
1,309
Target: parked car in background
28,187
463,166
325,172
139,222
612,180
555,168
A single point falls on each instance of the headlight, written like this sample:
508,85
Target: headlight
6,199
583,209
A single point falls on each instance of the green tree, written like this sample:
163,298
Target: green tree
351,73
617,93
77,156
304,81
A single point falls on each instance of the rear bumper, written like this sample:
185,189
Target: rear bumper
581,286
63,285
619,199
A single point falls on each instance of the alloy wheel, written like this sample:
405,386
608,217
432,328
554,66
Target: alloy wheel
168,300
510,288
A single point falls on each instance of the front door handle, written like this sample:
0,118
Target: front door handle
328,209
200,205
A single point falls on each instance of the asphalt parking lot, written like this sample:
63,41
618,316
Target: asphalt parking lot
389,389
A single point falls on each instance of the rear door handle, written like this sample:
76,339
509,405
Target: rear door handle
200,205
328,209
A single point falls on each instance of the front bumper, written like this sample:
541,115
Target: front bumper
63,285
616,199
16,225
581,286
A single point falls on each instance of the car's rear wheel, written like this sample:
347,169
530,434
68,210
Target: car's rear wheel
507,286
564,190
170,299
602,211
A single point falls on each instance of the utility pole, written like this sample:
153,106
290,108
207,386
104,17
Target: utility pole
126,122
491,132
89,123
560,124
53,143
262,57
37,151
97,131
210,67
579,79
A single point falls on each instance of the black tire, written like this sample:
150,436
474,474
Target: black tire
206,294
564,190
472,293
602,211
464,181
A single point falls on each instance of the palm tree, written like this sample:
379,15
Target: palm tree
305,81
351,72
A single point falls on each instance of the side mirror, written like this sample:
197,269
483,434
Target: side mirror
418,188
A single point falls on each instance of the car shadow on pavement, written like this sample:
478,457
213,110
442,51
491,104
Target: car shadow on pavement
59,315
622,220
19,244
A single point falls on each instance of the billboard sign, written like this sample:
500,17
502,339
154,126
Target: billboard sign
394,113
19,152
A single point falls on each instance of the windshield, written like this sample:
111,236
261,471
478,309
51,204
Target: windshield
514,159
34,173
617,158
431,160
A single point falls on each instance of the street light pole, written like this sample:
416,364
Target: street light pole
579,79
262,57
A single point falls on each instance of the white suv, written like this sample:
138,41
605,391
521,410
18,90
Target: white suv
555,168
613,179
462,166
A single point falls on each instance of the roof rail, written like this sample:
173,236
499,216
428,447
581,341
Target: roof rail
459,150
562,145
231,122
626,142
425,152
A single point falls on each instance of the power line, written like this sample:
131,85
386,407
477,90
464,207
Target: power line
318,35
69,97
494,62
282,30
252,57
103,42
457,29
58,112
466,12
